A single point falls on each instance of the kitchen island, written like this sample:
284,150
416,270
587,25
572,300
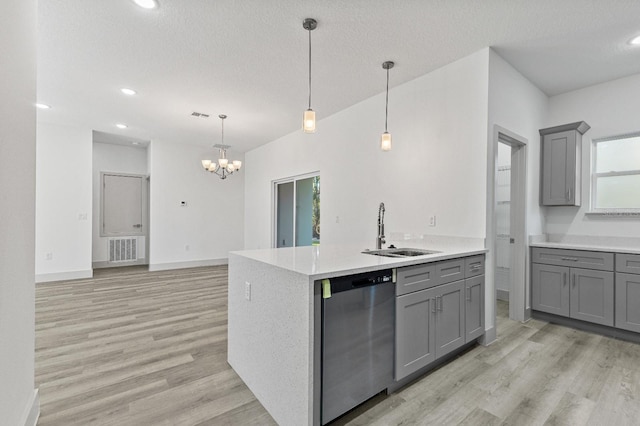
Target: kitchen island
273,323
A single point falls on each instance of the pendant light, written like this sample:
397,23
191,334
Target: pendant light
385,139
222,168
309,117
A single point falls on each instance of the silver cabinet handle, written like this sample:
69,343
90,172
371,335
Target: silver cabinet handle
440,305
469,294
574,279
435,307
569,199
564,278
570,259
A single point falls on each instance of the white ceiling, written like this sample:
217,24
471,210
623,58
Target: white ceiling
248,58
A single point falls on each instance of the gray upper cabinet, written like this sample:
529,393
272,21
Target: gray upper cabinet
560,167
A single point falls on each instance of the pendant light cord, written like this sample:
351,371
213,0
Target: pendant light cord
309,68
386,106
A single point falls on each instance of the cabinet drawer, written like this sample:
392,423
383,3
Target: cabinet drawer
573,258
473,266
415,278
449,271
629,263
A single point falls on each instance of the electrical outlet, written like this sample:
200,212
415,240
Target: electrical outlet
247,290
48,256
186,247
432,221
337,219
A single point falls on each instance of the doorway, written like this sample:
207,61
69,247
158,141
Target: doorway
297,211
506,231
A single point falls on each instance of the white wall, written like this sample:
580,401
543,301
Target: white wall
18,401
63,202
211,223
610,109
437,165
116,159
518,106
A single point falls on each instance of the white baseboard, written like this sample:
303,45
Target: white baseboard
189,264
502,294
63,276
33,410
107,264
489,336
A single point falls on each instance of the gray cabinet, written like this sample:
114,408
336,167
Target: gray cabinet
415,332
628,292
561,289
437,311
474,307
449,317
549,289
560,167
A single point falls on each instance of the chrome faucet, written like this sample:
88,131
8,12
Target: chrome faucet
380,239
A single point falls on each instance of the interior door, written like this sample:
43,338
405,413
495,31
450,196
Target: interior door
123,205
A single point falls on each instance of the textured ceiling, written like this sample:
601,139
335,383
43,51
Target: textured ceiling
248,58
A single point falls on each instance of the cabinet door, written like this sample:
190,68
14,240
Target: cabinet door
474,308
415,338
628,302
550,289
592,296
449,322
559,169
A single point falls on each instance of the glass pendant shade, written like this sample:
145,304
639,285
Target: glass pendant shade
237,164
385,141
309,121
223,162
206,163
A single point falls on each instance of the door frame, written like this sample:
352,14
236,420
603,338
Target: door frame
519,300
274,204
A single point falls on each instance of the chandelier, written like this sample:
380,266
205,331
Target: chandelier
222,167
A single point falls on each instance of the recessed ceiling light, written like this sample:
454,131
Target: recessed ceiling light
43,106
128,91
635,41
147,4
121,126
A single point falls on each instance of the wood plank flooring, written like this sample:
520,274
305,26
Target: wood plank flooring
130,347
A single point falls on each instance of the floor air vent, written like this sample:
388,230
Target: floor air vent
123,249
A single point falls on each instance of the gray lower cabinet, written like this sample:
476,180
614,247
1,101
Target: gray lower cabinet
474,307
549,289
628,301
582,294
415,332
429,324
585,292
591,297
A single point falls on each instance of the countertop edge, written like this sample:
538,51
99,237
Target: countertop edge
570,246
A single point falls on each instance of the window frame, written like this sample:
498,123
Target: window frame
595,175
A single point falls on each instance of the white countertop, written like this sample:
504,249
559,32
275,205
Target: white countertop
325,261
587,242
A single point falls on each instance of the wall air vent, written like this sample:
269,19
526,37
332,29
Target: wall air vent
199,114
123,249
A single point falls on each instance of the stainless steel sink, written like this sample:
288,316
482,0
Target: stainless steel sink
400,252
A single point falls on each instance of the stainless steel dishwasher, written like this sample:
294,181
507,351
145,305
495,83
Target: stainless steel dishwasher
357,341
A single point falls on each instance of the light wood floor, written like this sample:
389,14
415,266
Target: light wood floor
130,347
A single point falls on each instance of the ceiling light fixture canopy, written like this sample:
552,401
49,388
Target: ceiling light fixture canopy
222,167
385,139
121,126
309,116
146,4
127,91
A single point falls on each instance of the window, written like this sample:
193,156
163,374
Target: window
297,211
615,178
